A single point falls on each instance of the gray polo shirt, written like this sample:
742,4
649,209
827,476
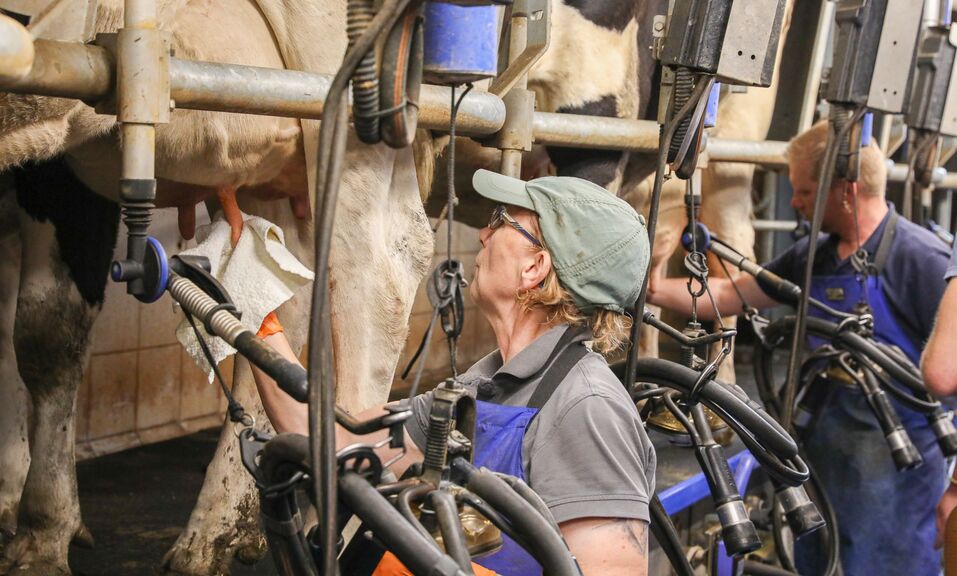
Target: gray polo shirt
586,453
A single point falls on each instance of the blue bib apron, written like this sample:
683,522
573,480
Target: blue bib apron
886,518
499,434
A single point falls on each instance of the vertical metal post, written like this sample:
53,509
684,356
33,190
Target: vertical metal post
516,134
818,55
142,88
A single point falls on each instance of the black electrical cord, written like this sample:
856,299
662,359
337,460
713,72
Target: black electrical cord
332,140
701,90
836,135
664,531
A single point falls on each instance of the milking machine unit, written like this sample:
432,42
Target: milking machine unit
931,112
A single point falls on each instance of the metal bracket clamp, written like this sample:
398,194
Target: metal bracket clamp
537,15
452,417
142,61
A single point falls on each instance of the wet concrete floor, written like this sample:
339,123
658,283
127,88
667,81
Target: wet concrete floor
136,502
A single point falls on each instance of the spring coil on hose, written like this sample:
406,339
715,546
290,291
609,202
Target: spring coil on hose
436,445
194,300
683,88
839,116
365,82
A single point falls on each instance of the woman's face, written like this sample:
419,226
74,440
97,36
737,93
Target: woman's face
502,264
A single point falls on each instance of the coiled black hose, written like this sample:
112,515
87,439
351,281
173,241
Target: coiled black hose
365,81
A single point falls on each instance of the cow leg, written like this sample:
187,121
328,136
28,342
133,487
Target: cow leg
382,249
223,524
14,446
51,338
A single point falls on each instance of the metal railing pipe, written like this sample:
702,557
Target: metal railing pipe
290,93
768,153
594,132
66,70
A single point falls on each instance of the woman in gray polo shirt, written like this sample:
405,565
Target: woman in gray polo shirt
561,260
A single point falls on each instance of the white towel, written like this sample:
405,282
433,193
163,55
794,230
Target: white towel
259,273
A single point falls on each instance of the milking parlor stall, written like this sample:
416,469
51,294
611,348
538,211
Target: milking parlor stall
232,229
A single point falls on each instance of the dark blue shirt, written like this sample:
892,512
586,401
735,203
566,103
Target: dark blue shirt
913,276
952,265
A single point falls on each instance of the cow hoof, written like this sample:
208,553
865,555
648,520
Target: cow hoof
8,524
83,538
249,547
35,569
252,551
22,558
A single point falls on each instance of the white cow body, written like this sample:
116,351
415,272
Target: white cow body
382,248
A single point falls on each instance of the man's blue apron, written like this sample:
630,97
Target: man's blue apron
499,433
886,518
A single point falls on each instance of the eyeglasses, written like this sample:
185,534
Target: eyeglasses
500,216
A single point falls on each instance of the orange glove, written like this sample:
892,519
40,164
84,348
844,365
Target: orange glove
390,566
270,326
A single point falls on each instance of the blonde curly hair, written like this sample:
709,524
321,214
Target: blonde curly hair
610,329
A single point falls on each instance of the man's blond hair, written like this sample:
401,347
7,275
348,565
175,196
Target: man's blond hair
808,148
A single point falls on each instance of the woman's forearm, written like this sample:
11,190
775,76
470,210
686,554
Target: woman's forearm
284,412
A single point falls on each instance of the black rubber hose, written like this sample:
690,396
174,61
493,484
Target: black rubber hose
447,516
404,504
419,554
331,155
493,516
838,132
831,534
530,496
667,135
722,398
402,60
761,434
365,81
664,531
282,457
548,547
856,343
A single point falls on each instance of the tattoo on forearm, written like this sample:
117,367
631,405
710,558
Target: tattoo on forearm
637,533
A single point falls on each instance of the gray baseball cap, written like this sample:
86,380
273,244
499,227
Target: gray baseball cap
598,243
